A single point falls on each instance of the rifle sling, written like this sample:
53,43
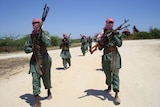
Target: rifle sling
113,50
43,51
113,61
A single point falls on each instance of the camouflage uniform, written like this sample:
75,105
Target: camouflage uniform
46,77
65,53
84,45
90,42
111,60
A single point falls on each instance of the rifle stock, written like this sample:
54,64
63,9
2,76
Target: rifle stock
35,53
93,48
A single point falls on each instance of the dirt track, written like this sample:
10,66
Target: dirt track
83,84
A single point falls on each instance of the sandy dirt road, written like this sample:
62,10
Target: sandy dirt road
83,84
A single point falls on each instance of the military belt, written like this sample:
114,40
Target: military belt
109,49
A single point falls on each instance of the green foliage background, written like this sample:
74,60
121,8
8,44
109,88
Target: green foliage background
153,33
14,43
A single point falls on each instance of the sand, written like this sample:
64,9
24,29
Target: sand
83,84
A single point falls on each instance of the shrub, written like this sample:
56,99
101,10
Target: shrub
142,35
21,42
55,40
154,32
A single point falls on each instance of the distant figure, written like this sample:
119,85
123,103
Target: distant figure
40,63
126,32
111,59
89,42
135,30
84,44
65,53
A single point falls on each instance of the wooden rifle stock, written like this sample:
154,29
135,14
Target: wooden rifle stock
93,48
35,53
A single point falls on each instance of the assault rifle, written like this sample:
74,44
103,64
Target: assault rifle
107,35
35,39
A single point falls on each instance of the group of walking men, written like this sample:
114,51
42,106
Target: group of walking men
86,42
41,62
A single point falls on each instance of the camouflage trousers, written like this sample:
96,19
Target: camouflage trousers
113,79
36,82
46,78
66,61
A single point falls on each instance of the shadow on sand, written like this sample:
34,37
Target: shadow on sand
29,98
60,68
81,55
101,94
99,69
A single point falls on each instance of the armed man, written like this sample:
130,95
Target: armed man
84,44
89,42
40,62
109,40
65,53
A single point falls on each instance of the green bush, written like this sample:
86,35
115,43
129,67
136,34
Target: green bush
7,44
75,40
154,32
55,40
12,43
21,42
142,35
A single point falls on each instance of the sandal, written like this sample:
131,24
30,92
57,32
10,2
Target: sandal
109,91
117,101
49,97
37,105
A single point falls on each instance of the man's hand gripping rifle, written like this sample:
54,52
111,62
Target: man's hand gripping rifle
35,38
106,35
